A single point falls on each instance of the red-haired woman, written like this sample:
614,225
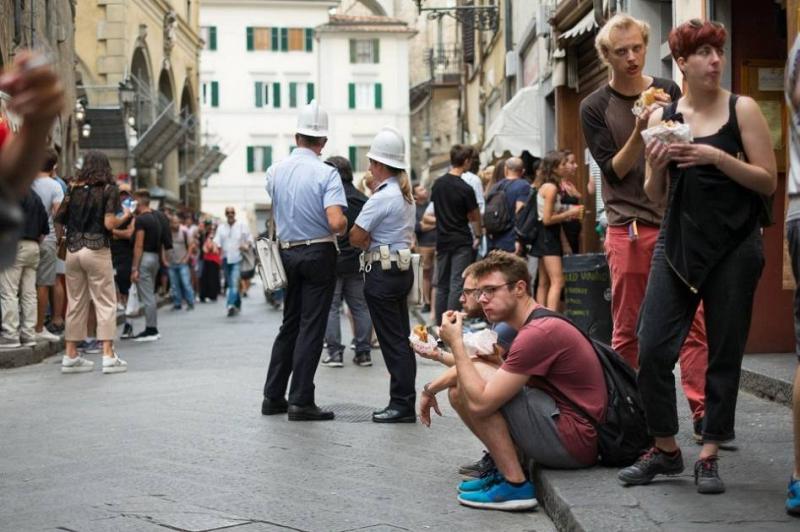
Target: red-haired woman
709,250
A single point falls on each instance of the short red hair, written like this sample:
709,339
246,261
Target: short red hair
684,40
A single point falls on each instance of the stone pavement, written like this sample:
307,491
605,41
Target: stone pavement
178,443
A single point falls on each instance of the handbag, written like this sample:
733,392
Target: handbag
270,267
415,296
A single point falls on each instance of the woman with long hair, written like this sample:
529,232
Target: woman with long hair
212,261
709,249
89,215
385,231
552,213
570,195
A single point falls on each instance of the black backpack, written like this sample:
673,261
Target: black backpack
622,436
496,217
528,222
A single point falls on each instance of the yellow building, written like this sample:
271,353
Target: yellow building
138,69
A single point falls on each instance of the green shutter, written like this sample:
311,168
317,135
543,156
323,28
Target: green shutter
351,94
276,95
309,92
275,38
250,39
352,155
352,50
267,157
214,94
259,94
309,39
212,38
251,160
376,50
378,96
292,94
284,39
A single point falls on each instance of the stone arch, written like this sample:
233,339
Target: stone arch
374,6
166,86
142,82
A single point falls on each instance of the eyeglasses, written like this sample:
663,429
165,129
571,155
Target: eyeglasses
487,291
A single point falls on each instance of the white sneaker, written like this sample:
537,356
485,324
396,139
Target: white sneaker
47,336
76,365
114,364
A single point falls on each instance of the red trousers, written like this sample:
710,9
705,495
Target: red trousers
629,264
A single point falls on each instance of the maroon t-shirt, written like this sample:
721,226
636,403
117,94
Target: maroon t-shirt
556,355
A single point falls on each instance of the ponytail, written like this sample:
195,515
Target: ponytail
405,186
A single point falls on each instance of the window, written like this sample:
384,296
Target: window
358,158
210,94
365,96
259,158
300,93
365,50
209,35
268,94
261,39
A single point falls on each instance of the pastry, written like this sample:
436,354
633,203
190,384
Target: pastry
421,332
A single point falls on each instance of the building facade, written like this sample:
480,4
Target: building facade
138,63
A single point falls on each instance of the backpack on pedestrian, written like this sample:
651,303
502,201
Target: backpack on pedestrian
622,436
528,222
497,218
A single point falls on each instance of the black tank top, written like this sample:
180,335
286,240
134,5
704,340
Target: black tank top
709,214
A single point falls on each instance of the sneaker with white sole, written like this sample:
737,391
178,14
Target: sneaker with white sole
9,343
147,335
76,365
114,365
501,496
47,336
27,341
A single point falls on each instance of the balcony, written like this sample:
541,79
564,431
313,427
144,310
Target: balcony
444,74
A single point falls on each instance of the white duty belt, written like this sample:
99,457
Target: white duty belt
386,258
293,244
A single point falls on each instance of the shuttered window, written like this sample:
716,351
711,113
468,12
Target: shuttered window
365,50
209,36
259,158
365,96
358,158
309,33
259,39
276,95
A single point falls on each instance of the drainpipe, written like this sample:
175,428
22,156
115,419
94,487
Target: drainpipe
17,22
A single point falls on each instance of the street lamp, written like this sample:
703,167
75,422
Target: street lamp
127,92
482,18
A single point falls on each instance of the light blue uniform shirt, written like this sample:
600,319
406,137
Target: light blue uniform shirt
388,218
302,187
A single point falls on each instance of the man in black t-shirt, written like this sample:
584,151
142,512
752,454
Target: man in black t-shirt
455,207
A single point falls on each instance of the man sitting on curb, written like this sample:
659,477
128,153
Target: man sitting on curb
520,405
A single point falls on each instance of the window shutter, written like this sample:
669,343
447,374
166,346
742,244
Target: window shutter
212,38
214,94
250,39
284,39
292,94
309,92
378,96
352,156
267,158
275,38
351,93
251,159
309,39
276,95
259,94
376,50
352,50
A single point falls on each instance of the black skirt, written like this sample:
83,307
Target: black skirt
209,281
548,242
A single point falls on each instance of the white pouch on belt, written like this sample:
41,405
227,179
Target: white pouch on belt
386,259
415,296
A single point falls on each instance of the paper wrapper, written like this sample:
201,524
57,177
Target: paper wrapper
480,343
668,133
423,348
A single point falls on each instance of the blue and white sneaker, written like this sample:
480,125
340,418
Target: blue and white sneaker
793,497
486,480
501,496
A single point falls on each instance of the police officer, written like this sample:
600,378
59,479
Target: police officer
307,202
385,230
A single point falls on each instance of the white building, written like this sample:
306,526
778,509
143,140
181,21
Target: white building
264,59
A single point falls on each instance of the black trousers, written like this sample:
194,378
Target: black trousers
664,320
450,264
387,298
311,279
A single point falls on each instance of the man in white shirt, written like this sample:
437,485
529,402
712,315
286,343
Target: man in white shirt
232,237
472,179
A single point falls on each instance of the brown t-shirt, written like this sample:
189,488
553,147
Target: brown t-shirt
556,355
607,120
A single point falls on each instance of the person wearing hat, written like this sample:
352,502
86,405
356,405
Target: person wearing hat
308,202
385,230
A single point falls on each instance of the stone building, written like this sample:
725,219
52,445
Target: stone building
47,26
138,68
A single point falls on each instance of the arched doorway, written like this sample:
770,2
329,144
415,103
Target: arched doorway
142,81
187,149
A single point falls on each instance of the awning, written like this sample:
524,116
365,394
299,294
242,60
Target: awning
518,128
206,165
160,139
586,25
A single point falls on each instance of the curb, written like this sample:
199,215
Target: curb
25,356
554,505
766,387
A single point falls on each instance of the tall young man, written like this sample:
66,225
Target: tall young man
613,135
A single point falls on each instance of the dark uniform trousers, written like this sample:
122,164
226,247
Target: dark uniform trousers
311,279
386,293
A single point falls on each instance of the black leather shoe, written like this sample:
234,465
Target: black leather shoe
309,413
270,407
391,414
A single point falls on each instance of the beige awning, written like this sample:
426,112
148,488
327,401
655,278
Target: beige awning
585,25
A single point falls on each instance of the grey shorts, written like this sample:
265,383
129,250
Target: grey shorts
46,273
531,416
